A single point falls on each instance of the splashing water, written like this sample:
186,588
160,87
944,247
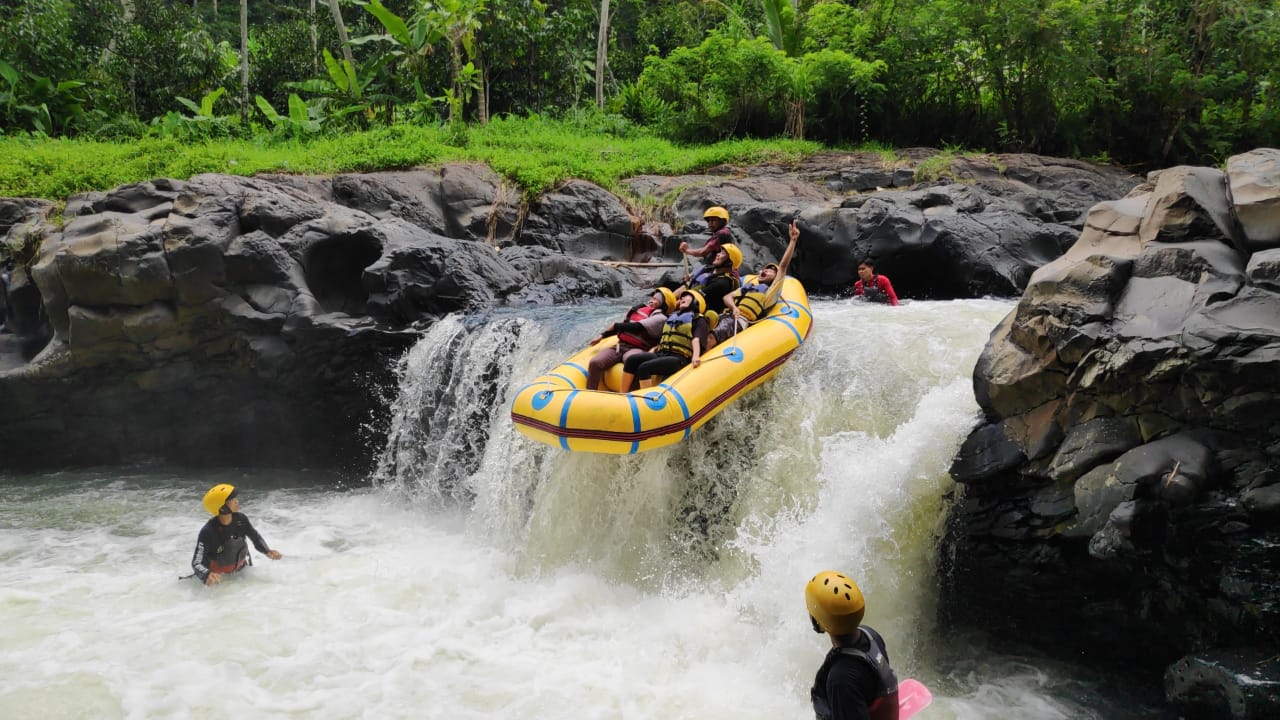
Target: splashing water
485,574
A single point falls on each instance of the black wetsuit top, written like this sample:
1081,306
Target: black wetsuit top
225,544
848,684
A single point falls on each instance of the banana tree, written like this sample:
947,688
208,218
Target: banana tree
454,22
458,21
782,19
342,32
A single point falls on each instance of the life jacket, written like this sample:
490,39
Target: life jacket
636,314
885,706
232,555
872,291
715,300
751,301
677,334
701,276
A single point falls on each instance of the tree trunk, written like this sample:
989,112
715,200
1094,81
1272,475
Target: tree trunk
133,73
244,63
602,52
482,97
315,50
342,37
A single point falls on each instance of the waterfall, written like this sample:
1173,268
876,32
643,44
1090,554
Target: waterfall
851,440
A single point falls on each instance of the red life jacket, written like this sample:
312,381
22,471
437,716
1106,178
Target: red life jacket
636,314
885,707
215,566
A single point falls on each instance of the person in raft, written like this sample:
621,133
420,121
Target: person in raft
221,547
718,223
638,332
722,279
753,300
873,287
855,681
683,337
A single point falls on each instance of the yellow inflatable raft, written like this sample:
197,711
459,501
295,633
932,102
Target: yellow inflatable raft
558,410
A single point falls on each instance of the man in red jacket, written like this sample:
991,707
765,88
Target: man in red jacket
873,287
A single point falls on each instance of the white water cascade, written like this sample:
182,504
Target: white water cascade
483,574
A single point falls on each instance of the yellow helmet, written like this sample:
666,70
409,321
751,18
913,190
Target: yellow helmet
668,298
716,212
697,300
217,497
734,253
835,603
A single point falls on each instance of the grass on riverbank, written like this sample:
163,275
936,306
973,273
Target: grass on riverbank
535,154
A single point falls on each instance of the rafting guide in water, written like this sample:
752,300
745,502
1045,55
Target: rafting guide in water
221,548
855,681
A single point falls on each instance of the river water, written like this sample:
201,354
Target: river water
478,574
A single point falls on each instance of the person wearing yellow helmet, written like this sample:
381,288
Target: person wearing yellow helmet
855,680
639,332
717,219
221,548
684,335
755,298
718,279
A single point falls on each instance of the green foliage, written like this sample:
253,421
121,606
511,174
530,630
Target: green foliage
32,102
301,120
721,88
535,153
280,52
834,81
1141,81
202,124
165,52
782,25
57,38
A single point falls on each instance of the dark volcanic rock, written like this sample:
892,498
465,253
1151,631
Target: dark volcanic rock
1122,483
270,309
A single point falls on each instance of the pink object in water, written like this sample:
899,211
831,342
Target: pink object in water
913,697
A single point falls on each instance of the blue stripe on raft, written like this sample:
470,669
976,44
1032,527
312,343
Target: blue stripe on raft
684,407
579,368
564,417
635,422
566,380
787,324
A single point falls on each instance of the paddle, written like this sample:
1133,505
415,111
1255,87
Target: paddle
913,697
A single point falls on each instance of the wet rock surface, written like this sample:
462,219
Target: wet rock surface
1123,481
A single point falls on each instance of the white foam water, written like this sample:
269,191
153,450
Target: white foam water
484,575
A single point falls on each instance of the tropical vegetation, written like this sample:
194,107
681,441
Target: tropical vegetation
1146,83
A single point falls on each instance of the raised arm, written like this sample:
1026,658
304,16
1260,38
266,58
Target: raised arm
775,287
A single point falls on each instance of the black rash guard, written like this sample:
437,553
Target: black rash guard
223,546
846,686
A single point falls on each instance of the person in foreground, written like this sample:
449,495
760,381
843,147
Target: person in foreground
639,331
221,547
873,287
855,681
